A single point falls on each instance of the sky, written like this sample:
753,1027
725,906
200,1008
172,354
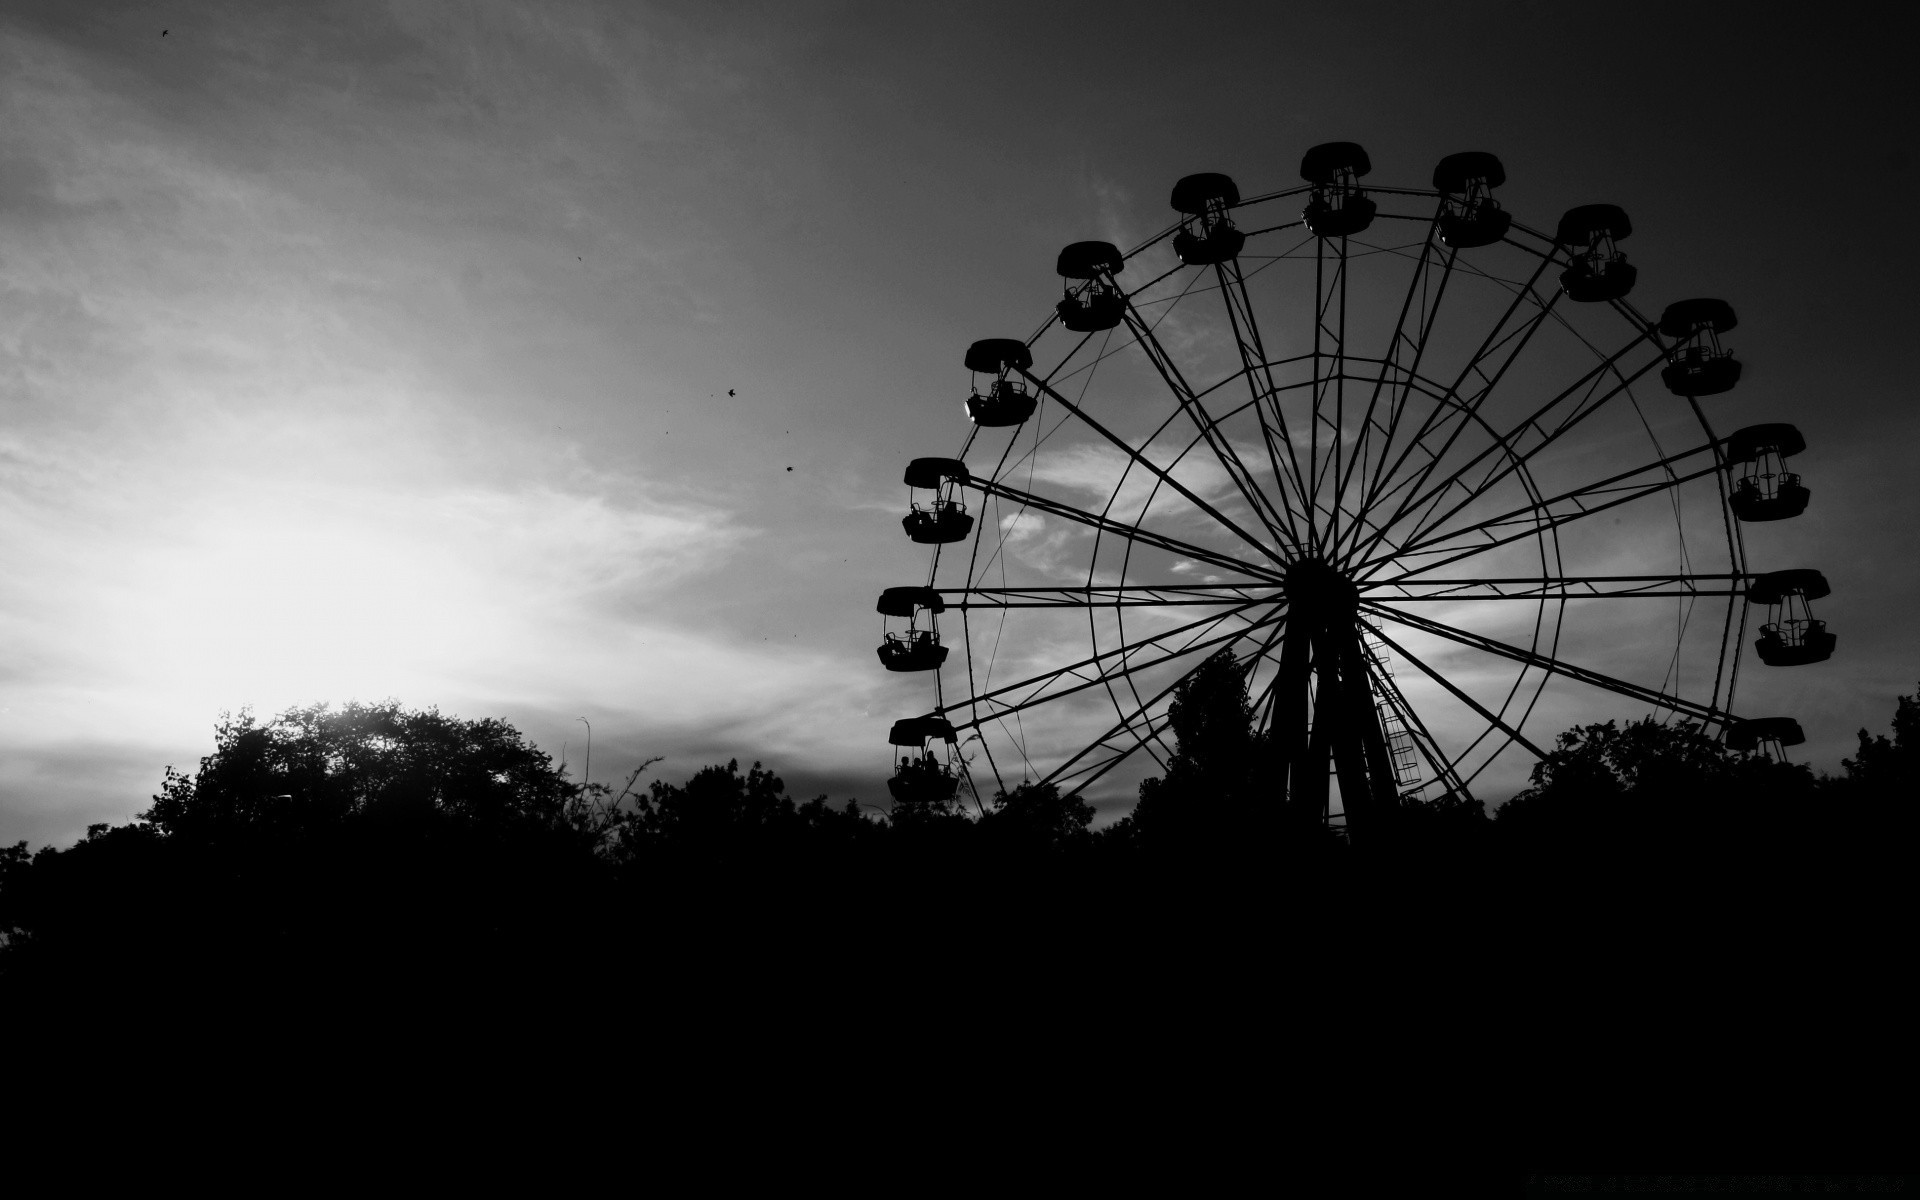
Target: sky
556,361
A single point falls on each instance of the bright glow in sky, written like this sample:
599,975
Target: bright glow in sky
359,351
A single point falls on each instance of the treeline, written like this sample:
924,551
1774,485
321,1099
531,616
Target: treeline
376,838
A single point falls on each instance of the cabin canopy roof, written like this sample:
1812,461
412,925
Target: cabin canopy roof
1775,586
1085,260
930,472
1324,162
912,731
1191,194
1581,225
1684,317
1745,445
991,354
902,601
1745,735
1456,171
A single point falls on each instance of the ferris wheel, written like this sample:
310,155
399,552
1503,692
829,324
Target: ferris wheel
1425,472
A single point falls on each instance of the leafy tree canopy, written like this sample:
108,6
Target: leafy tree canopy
1889,765
1656,784
720,813
1218,787
315,767
1036,815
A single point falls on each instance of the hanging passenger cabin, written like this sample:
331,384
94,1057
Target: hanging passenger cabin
1206,232
1698,365
1770,735
943,519
1469,215
1337,207
913,647
1093,302
1764,489
1791,637
923,779
1600,270
1006,401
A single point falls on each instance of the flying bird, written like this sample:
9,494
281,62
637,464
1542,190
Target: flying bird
729,391
163,33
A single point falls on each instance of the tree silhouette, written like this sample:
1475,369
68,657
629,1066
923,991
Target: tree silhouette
1875,801
1036,817
371,840
1890,766
721,816
1664,798
1220,794
1214,777
1451,824
368,835
316,767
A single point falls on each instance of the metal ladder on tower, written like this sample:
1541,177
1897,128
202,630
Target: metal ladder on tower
1406,763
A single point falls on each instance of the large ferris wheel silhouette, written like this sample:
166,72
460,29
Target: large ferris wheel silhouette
1425,472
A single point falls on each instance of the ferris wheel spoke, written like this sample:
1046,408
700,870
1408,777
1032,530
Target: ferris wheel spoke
1464,415
1382,485
1515,457
1424,324
1138,723
1120,529
1095,669
1114,596
1541,515
1118,744
1330,301
1273,434
1495,541
1254,366
1151,468
1565,587
1265,700
1380,531
1278,521
1550,664
1480,709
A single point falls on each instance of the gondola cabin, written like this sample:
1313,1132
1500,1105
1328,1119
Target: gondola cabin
910,638
942,518
1337,207
1006,401
923,779
1206,232
1469,215
1763,489
1093,302
1790,636
1698,365
1599,269
1767,735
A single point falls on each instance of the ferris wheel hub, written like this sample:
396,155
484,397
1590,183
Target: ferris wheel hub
1316,586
